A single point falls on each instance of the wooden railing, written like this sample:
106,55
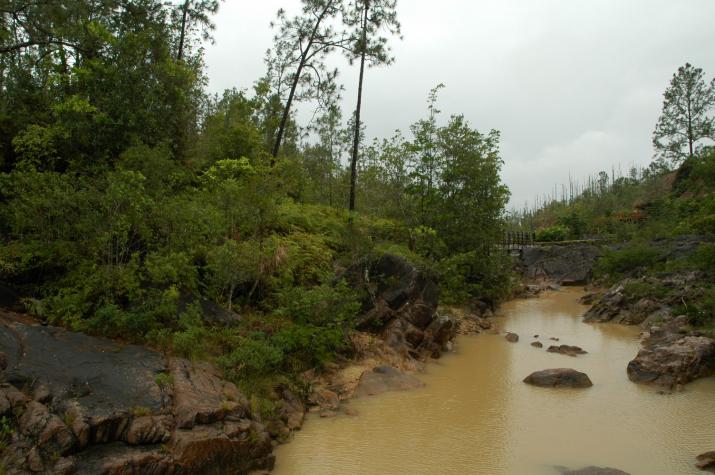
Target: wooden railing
517,240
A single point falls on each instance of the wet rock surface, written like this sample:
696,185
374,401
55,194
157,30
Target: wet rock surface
593,471
383,379
567,350
673,360
706,461
559,378
401,306
568,264
672,353
90,405
617,305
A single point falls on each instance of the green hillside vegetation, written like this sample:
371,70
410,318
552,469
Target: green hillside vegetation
640,222
654,221
135,205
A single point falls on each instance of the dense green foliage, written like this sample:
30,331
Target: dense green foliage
134,205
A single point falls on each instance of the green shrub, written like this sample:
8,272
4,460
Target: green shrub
324,305
469,275
308,346
702,309
428,243
630,258
253,356
553,233
164,380
704,257
641,290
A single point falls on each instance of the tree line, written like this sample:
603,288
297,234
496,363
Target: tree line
133,203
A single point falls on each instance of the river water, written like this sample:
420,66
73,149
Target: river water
476,416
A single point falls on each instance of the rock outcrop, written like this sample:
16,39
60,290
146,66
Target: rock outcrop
672,354
383,379
567,264
400,305
672,360
618,305
90,405
559,378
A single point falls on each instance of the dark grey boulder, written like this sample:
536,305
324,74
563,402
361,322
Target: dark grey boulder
568,350
593,471
559,378
512,337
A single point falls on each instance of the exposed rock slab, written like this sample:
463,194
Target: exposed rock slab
91,405
105,377
559,378
568,264
200,396
383,379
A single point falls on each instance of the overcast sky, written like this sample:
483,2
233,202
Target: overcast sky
574,86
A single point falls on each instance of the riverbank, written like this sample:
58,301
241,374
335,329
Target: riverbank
475,415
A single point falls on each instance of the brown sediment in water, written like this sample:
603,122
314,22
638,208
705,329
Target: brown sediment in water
475,414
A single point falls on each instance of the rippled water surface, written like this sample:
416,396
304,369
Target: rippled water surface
476,416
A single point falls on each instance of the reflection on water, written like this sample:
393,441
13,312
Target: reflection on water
476,416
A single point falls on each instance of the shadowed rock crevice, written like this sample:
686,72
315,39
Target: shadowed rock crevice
400,306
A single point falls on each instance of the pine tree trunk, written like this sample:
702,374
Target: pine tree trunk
356,138
294,85
286,114
182,38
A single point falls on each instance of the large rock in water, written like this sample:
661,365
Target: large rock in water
673,360
568,264
559,378
594,471
706,461
567,350
383,379
91,405
400,305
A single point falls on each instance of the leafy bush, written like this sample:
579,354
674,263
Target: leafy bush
630,258
470,275
323,305
253,356
553,233
641,290
704,257
702,309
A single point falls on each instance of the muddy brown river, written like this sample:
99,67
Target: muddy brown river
475,416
